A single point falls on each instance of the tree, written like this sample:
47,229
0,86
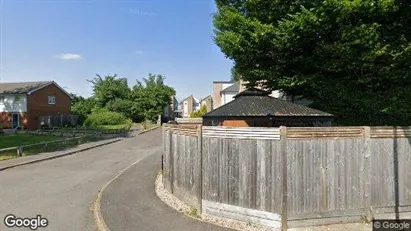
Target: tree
199,113
109,88
123,106
351,58
146,100
151,96
82,107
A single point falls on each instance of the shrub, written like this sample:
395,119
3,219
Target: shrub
200,113
101,117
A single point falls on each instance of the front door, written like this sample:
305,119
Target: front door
16,120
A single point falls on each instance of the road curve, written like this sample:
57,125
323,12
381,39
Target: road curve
130,203
62,190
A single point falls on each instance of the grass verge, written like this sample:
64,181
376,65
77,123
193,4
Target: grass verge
14,140
42,145
145,125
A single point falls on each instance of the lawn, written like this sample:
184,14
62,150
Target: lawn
145,126
13,140
115,127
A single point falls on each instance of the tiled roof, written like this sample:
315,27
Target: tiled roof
257,103
21,87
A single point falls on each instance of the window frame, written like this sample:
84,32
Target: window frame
51,100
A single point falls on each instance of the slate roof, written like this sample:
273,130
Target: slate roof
223,82
255,102
233,88
21,87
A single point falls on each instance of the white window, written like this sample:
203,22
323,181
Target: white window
52,100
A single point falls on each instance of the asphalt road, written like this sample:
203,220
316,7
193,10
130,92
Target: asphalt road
62,190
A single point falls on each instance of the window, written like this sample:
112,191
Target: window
52,100
1,99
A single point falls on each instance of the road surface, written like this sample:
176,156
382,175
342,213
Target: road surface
62,190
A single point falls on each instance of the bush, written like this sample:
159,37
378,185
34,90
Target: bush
200,113
102,117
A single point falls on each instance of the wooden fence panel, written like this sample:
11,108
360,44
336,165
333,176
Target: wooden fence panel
242,172
320,177
181,166
391,160
332,173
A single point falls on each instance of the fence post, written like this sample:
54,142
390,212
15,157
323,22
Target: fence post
19,151
200,167
284,216
367,170
171,168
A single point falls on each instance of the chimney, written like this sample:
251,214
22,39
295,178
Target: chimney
242,85
217,88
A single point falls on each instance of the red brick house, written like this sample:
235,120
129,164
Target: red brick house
21,104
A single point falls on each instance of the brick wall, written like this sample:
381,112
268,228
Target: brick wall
37,104
6,120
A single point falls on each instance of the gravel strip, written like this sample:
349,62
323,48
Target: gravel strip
182,207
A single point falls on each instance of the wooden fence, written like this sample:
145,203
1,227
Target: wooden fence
332,174
197,121
49,145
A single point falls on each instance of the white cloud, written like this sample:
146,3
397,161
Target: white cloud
139,52
69,56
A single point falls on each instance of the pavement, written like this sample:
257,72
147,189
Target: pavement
130,203
62,190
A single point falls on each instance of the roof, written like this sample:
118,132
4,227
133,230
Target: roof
205,98
253,92
26,87
194,98
246,104
233,88
223,82
21,88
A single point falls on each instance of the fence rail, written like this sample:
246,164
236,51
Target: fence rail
48,146
189,120
241,133
59,144
300,175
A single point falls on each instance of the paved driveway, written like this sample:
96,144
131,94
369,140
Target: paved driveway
63,189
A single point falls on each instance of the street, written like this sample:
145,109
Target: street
62,190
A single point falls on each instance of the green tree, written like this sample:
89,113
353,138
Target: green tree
151,96
82,107
351,58
199,113
109,88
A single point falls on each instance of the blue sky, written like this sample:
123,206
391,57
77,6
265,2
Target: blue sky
70,41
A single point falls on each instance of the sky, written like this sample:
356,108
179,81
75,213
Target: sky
70,41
